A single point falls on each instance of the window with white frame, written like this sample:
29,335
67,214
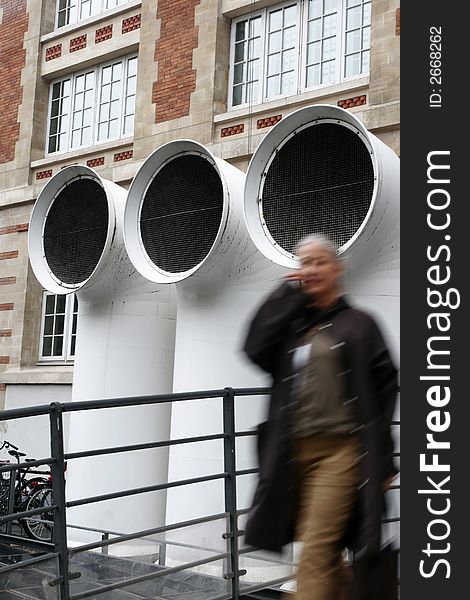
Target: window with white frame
71,11
297,46
58,327
92,106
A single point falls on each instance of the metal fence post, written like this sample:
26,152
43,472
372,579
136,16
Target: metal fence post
231,490
58,495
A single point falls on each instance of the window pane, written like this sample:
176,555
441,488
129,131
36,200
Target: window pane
314,53
314,30
329,48
59,325
330,6
103,131
366,18
254,48
274,63
353,65
132,67
240,31
353,41
366,38
60,304
329,25
117,71
79,83
72,346
290,15
274,42
273,86
328,72
239,73
313,75
128,124
252,92
352,2
237,95
288,60
315,8
287,83
353,18
106,75
240,51
47,346
255,26
50,303
130,105
253,70
48,325
131,85
58,345
86,136
290,37
365,61
113,128
275,20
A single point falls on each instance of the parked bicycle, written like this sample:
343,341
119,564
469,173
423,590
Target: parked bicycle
28,490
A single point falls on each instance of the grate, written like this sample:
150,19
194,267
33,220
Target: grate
181,213
76,229
320,181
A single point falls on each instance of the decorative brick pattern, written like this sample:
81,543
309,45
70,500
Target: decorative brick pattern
132,23
176,81
7,280
4,360
7,306
123,155
7,255
6,332
226,131
44,174
14,228
397,22
350,102
268,121
53,52
77,43
13,26
95,162
104,33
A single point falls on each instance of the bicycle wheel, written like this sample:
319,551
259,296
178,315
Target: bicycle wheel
40,527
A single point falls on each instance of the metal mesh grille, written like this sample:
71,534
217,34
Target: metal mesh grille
181,213
320,181
75,230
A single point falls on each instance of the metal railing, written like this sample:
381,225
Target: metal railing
58,548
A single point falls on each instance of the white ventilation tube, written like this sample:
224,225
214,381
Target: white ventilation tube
184,224
320,171
124,346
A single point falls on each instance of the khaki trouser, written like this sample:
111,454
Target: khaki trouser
329,476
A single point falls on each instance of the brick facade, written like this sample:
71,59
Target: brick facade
174,53
13,27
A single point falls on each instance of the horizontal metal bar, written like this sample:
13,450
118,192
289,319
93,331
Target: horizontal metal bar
248,432
140,534
143,490
391,520
251,391
27,513
141,400
26,465
29,561
118,449
19,413
247,471
28,542
131,581
261,586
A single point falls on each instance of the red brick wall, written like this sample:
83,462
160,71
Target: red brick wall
174,53
14,25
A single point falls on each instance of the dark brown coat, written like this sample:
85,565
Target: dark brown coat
371,384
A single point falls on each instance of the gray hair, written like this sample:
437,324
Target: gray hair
317,238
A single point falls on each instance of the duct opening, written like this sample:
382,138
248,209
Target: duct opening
320,181
76,230
181,213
